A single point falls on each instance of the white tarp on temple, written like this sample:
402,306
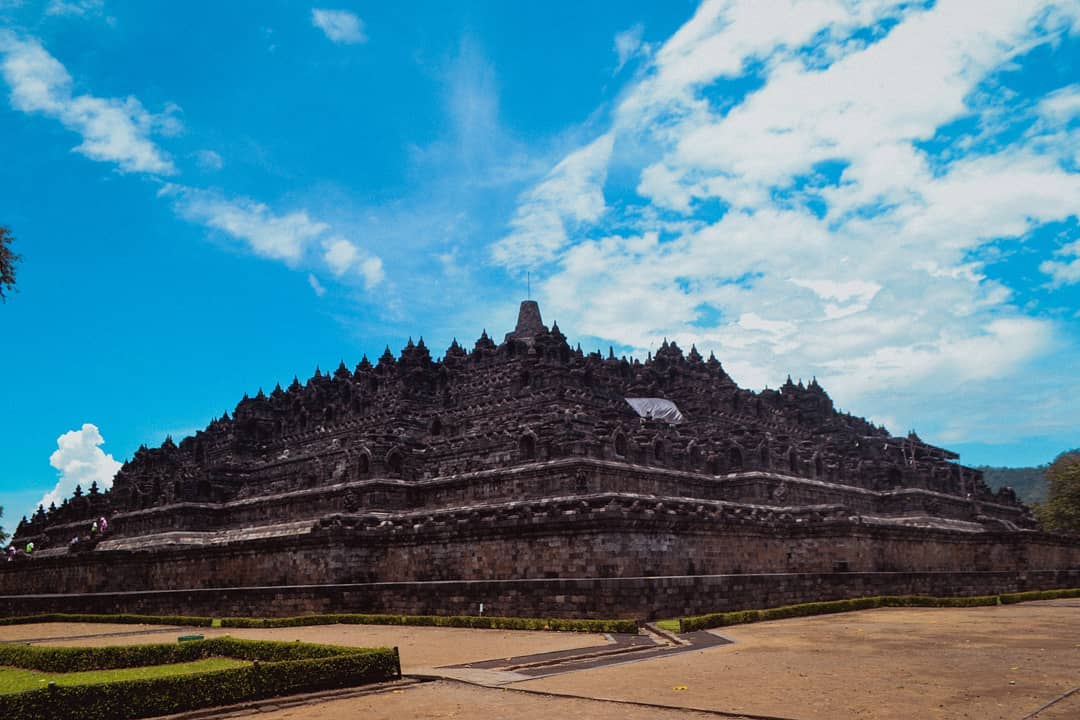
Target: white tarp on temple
656,409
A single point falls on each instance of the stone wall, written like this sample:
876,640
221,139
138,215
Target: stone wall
535,481
637,597
598,536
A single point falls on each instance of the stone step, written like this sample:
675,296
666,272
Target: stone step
214,537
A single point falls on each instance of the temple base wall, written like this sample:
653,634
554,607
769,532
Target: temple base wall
639,597
612,539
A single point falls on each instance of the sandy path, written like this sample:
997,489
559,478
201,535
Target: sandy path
1067,709
438,700
421,648
993,662
74,629
985,663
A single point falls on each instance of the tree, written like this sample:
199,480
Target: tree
1061,511
8,259
3,535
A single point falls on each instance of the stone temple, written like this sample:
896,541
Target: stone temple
538,480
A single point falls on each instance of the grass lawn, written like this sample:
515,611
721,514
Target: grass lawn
669,625
13,680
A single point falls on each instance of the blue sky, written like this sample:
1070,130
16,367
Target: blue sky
213,197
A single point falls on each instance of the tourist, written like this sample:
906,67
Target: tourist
103,524
30,548
11,552
93,530
74,540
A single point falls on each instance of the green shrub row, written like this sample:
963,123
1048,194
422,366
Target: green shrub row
458,621
283,668
1011,598
739,617
123,619
78,659
462,621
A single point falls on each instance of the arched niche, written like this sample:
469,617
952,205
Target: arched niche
735,458
693,455
363,464
527,447
395,463
619,445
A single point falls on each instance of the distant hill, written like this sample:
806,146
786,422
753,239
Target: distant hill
1028,482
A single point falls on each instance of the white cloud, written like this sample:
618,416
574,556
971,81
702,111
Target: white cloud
343,257
80,460
113,129
864,277
119,131
1066,272
209,160
290,237
340,255
571,193
341,26
627,44
932,60
76,8
852,296
372,271
1062,105
280,237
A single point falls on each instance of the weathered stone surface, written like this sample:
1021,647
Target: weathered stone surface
522,462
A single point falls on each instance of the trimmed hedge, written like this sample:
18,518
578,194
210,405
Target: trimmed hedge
460,621
740,617
283,668
120,619
1011,598
111,657
457,621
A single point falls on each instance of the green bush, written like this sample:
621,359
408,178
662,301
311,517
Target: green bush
283,668
78,659
1010,598
740,617
122,619
460,621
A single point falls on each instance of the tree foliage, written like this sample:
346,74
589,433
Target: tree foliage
8,259
1061,511
1028,482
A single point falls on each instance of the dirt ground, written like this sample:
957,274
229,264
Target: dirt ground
35,631
444,700
421,648
1068,709
993,662
985,663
